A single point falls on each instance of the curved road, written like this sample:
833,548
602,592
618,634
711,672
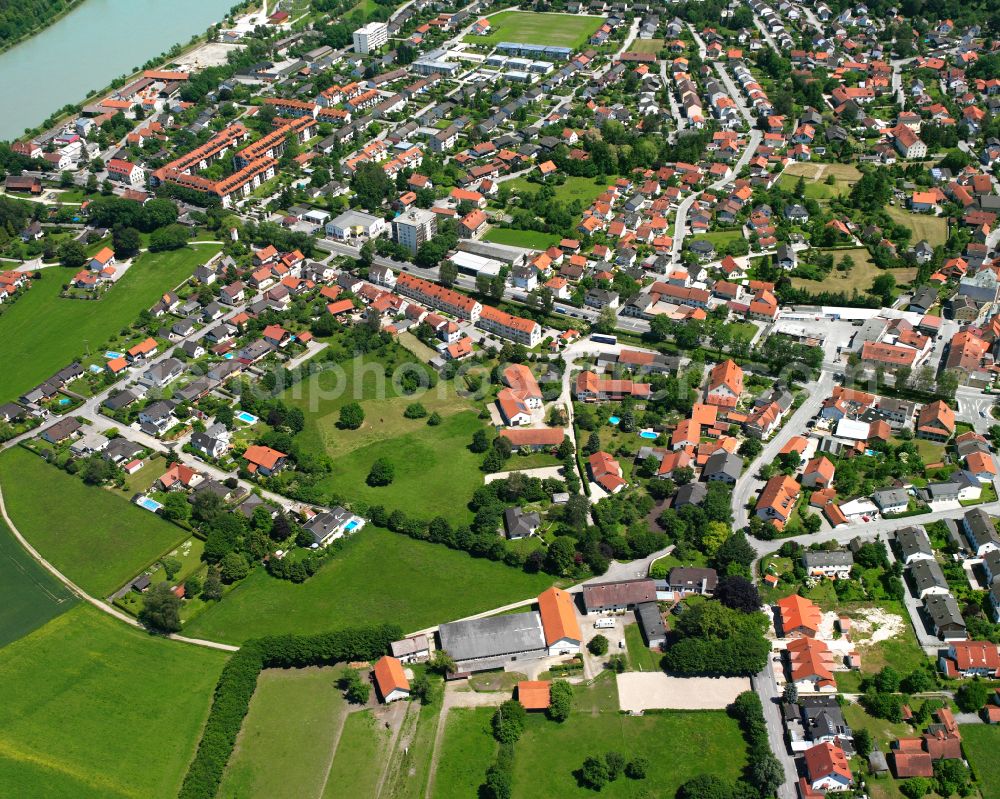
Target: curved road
97,603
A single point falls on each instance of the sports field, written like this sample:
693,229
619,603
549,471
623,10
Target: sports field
531,27
379,577
29,595
287,738
43,332
96,538
431,462
93,708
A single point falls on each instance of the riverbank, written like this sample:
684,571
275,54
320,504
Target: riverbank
73,4
56,96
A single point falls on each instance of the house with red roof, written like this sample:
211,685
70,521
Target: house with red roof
263,460
390,679
606,472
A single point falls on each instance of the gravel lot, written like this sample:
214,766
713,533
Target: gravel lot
638,691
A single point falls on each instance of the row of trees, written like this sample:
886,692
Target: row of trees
238,682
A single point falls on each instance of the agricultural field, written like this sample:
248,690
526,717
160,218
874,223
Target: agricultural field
355,771
94,708
934,229
860,277
29,595
980,742
288,735
379,577
678,745
467,749
573,188
513,237
96,538
529,27
43,332
430,461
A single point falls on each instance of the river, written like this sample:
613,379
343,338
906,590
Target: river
89,47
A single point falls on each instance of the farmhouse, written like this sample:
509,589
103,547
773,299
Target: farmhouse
559,622
617,596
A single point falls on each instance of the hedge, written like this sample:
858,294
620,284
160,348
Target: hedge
238,682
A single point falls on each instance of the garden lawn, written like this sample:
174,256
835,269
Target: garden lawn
93,536
640,656
814,189
29,595
94,708
360,756
932,228
435,473
529,27
286,741
646,46
512,237
574,188
980,742
720,238
467,750
678,746
379,577
860,277
43,332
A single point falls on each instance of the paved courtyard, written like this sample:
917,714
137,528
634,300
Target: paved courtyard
654,690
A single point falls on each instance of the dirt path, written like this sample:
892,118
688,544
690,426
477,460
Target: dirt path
395,726
333,749
456,698
97,603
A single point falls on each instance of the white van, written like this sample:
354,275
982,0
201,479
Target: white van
604,624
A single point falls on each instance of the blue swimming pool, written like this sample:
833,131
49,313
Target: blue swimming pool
613,420
648,434
248,418
228,356
65,400
109,355
353,524
148,504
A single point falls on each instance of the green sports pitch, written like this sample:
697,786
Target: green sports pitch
530,27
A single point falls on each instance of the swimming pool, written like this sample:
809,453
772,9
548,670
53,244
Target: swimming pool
353,524
95,369
65,400
228,356
648,434
248,418
109,355
148,504
613,420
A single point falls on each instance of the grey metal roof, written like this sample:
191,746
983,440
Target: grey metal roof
650,621
493,636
